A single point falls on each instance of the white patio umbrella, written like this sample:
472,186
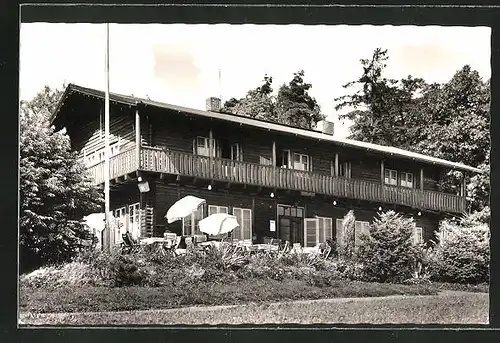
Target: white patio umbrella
183,208
218,223
95,221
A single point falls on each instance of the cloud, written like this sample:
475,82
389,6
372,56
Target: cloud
174,65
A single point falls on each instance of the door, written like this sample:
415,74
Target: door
290,229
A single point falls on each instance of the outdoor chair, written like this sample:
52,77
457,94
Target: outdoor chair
284,250
129,245
297,248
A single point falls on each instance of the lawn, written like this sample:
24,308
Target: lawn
450,307
85,299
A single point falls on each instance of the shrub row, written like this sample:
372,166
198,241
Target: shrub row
386,254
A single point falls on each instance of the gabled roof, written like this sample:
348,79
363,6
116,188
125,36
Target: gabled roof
311,134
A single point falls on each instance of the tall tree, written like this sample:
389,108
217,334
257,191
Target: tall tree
294,104
383,109
449,120
55,192
258,103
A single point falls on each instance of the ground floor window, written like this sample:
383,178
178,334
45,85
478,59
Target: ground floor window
190,224
134,224
317,230
339,230
120,215
244,218
212,209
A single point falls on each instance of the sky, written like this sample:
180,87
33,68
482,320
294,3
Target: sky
179,64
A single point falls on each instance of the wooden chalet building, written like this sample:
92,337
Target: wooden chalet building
280,181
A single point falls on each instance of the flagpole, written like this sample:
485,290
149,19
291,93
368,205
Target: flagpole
106,146
220,86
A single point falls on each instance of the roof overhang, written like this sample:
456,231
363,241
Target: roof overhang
242,120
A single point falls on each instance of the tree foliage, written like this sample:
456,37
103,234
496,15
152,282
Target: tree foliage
449,121
292,106
55,192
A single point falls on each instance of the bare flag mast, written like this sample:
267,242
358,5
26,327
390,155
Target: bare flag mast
107,228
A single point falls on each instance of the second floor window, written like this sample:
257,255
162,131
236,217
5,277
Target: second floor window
301,162
407,180
203,146
344,169
391,177
236,152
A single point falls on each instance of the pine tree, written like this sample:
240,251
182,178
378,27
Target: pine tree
55,193
346,245
389,253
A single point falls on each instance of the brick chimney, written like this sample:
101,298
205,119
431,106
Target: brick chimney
213,104
325,126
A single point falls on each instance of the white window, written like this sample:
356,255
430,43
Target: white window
360,228
244,218
317,230
391,177
134,224
190,224
285,159
407,180
120,215
212,209
418,236
339,229
301,162
203,146
236,153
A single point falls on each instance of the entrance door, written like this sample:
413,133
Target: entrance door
290,229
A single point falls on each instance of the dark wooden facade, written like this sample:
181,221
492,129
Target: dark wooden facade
159,145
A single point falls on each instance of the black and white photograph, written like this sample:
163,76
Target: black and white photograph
224,174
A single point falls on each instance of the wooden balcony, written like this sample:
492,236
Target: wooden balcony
177,163
170,162
119,165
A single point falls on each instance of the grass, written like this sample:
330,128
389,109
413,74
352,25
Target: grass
90,299
448,307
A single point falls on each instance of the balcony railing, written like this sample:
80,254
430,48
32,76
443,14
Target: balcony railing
119,165
178,163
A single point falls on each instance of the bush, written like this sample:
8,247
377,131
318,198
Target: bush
462,254
388,253
75,274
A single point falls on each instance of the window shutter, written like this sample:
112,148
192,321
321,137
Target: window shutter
328,228
311,226
310,163
339,228
237,232
246,229
194,146
321,230
357,233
